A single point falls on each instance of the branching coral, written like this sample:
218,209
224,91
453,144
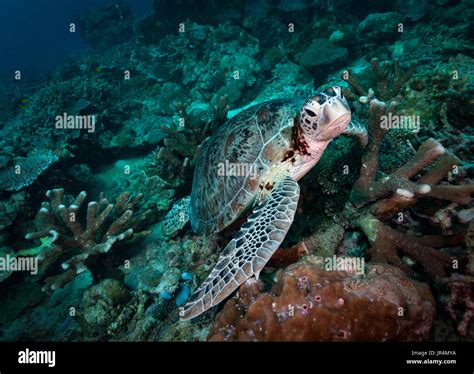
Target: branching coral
311,304
388,79
375,199
174,161
106,224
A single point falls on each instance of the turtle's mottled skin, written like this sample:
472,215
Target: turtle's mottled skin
278,142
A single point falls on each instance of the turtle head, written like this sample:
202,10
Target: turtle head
325,115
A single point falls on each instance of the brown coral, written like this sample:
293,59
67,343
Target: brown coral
374,200
461,289
311,304
106,224
389,79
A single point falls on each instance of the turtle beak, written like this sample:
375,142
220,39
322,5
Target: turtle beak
338,116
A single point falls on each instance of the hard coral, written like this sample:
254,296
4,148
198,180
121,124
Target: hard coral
376,199
310,304
25,172
58,219
388,79
461,289
174,161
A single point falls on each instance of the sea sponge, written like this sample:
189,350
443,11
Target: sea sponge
310,304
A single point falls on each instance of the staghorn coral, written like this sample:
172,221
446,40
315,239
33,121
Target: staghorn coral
58,219
388,80
310,304
374,200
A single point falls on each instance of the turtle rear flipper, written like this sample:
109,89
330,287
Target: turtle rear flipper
176,218
250,249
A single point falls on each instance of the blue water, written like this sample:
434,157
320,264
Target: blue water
34,34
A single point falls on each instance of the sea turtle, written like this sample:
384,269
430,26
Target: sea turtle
255,160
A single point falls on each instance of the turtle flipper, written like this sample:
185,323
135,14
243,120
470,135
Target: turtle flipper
176,218
250,249
357,129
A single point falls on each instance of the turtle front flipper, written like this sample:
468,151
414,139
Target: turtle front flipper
250,249
176,218
357,129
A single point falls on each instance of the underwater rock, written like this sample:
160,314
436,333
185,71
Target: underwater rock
11,208
19,297
106,26
379,27
336,36
45,321
311,304
81,172
413,9
100,301
169,283
322,52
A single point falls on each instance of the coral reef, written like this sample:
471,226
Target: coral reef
388,79
25,172
157,88
461,290
106,26
375,199
311,304
175,160
322,52
100,304
106,224
379,26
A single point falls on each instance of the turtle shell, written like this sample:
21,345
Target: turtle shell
235,160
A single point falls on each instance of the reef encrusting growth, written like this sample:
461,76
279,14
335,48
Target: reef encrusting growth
311,304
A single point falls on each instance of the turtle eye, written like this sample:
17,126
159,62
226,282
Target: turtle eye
321,100
330,91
